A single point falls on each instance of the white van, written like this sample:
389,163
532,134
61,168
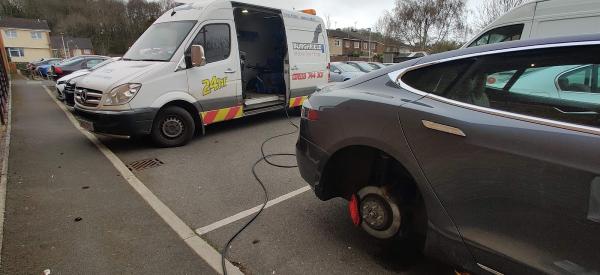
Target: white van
540,19
202,63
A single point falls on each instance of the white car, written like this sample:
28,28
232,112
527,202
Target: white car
61,83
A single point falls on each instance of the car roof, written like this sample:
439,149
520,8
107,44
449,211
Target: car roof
510,45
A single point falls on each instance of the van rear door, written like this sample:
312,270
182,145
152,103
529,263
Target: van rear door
308,53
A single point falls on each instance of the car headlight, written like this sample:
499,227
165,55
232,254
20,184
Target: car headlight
121,94
60,82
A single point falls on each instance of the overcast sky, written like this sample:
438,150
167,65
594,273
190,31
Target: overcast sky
343,13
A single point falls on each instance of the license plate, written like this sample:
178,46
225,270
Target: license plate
86,125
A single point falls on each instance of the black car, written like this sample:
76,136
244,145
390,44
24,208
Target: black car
74,64
490,155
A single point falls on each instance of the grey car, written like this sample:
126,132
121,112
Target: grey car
475,153
341,72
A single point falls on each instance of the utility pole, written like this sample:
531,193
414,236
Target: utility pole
370,60
62,37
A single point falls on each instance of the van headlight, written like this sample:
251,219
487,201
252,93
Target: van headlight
122,94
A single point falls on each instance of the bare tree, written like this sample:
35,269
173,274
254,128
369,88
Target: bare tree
491,10
420,23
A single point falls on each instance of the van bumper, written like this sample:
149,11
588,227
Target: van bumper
120,123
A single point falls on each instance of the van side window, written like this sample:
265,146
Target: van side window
501,34
216,40
533,83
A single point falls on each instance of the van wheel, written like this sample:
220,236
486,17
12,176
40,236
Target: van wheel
173,127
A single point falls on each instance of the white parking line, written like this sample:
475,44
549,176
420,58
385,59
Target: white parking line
200,246
214,226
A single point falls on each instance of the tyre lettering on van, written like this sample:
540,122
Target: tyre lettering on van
213,84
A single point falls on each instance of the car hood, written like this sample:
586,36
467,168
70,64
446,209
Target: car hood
73,75
117,73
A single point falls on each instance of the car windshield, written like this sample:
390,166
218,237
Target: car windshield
71,62
347,68
365,66
159,42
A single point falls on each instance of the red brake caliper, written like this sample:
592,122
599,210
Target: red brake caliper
354,212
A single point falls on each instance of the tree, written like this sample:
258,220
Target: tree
420,23
113,25
491,10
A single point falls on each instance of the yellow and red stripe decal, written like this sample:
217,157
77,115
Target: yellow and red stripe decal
297,101
215,116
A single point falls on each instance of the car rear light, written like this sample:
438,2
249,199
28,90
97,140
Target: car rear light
310,114
57,70
328,72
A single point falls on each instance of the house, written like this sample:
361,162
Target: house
25,40
345,46
73,46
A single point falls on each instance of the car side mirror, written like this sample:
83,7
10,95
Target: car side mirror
198,57
337,71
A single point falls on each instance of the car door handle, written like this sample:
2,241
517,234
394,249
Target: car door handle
295,68
230,71
576,113
443,128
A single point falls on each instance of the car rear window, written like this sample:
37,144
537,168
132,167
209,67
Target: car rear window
438,78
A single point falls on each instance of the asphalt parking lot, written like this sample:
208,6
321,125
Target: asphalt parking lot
209,185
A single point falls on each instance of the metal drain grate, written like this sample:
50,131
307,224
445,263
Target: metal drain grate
140,165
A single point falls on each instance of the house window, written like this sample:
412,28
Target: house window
347,44
16,52
36,35
338,42
11,33
357,45
365,46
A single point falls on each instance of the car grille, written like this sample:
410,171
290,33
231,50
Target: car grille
87,97
70,87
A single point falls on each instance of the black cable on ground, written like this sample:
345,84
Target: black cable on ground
264,158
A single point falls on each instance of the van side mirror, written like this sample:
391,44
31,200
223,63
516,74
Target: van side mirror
198,57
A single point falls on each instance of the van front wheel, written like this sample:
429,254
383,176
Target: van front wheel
173,127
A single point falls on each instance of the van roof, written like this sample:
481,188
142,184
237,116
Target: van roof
202,4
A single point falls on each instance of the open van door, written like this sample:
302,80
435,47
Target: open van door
308,53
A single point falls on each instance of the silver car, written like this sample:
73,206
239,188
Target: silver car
341,72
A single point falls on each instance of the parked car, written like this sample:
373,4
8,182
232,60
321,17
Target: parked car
341,72
408,56
42,69
33,66
540,19
376,65
75,64
362,65
490,155
65,86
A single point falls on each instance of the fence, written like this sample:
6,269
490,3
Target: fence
4,86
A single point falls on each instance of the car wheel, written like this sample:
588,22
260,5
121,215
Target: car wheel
379,213
173,127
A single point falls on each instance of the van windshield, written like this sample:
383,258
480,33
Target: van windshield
160,41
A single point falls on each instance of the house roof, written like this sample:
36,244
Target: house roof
24,23
56,42
342,34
